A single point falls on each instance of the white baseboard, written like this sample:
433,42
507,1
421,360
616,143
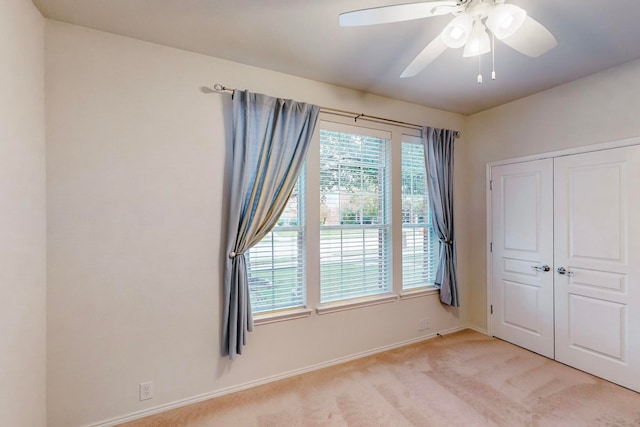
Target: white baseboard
477,329
222,392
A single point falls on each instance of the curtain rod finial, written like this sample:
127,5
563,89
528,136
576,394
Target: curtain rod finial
221,88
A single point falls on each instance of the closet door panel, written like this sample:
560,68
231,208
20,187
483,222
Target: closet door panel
522,291
597,247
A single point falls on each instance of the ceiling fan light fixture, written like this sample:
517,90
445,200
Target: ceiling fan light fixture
474,21
478,43
505,19
457,32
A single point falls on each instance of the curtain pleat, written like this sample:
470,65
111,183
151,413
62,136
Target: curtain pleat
271,138
438,146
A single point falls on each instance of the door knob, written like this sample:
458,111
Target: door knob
561,270
543,268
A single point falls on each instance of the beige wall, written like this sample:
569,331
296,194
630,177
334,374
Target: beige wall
22,216
136,224
599,108
135,204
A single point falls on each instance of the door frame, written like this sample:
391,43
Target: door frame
489,225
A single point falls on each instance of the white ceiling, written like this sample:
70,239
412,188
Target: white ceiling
302,37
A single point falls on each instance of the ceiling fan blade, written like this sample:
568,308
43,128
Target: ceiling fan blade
424,58
396,13
532,39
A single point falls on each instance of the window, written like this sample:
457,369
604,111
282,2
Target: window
419,243
355,227
275,266
332,248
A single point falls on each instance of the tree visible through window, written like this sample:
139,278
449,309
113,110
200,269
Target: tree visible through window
354,234
355,231
419,243
275,266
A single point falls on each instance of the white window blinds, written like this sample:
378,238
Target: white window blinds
355,231
419,242
275,266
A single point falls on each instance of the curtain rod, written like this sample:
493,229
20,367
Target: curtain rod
220,88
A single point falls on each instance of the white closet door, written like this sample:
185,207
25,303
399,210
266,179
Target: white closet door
522,291
597,243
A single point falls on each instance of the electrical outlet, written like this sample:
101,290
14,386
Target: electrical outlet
424,324
146,390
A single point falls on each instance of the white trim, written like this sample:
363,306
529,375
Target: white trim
420,292
280,316
211,395
347,117
358,129
479,330
570,151
489,202
412,139
351,304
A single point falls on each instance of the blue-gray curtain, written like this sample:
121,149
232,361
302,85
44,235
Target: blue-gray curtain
438,149
270,141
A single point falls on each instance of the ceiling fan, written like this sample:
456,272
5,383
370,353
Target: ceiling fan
507,22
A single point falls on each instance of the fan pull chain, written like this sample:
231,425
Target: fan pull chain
479,69
493,56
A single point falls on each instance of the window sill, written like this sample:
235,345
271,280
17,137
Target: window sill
280,316
333,307
355,303
419,292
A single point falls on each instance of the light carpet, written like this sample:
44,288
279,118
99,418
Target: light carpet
462,379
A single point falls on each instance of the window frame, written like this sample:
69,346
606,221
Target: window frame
384,230
300,267
426,226
399,133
